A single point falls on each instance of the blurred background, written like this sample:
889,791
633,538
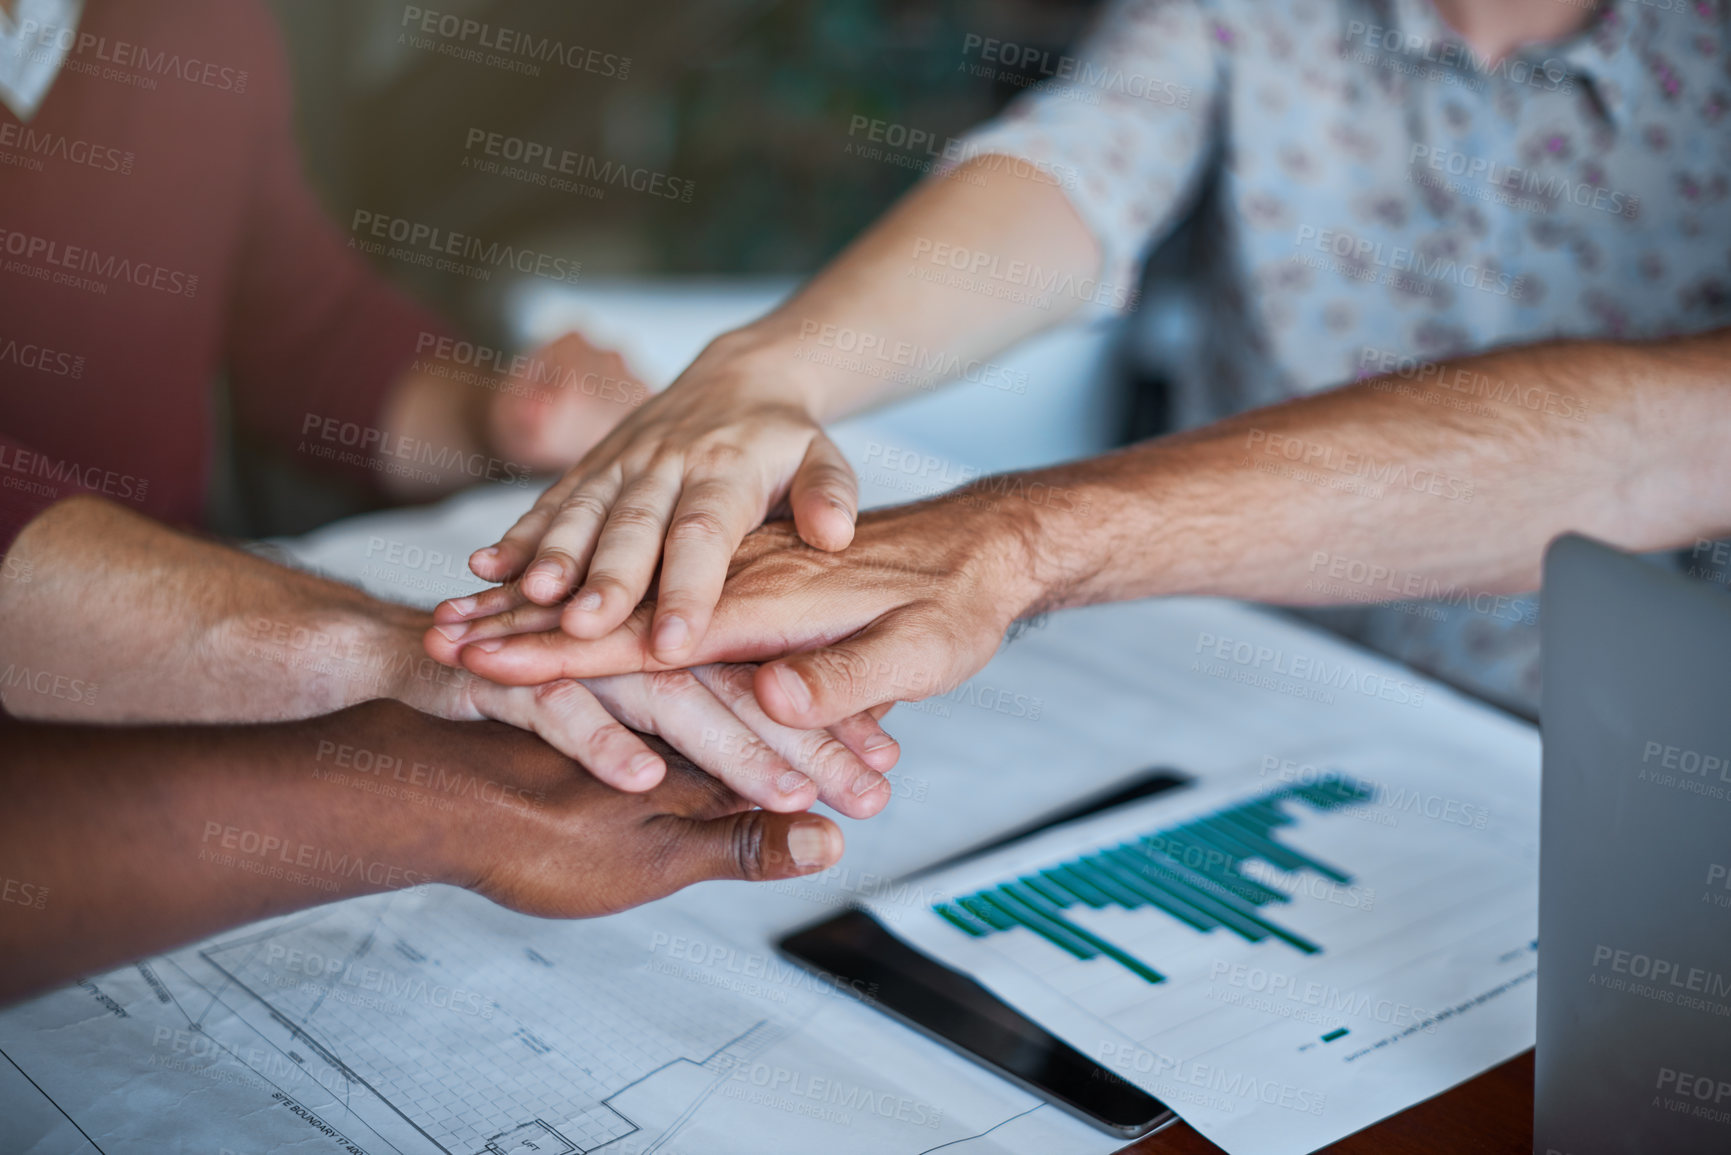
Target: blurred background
749,101
775,132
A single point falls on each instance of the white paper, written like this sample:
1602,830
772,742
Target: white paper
1422,920
1090,698
434,1022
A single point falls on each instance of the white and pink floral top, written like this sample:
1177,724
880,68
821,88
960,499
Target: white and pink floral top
1382,198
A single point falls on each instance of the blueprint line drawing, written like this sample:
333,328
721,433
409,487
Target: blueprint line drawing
435,1023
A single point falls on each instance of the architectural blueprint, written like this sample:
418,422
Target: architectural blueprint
434,1023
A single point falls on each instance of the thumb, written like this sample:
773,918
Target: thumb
891,660
756,846
824,497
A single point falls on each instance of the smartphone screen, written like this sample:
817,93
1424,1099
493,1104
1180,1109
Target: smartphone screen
955,1010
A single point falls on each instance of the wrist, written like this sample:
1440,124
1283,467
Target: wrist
374,772
1038,538
327,651
777,360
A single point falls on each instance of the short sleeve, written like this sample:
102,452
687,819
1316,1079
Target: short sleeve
1124,125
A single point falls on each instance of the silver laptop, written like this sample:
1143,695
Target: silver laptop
1634,1031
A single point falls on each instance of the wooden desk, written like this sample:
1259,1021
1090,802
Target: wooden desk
1489,1115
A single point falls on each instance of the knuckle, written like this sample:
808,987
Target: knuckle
745,846
633,518
560,696
520,620
673,684
611,739
697,525
846,672
821,753
585,503
734,682
718,457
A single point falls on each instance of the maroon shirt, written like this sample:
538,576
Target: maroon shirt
155,230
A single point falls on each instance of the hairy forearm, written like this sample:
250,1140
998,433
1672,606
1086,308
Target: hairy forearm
952,275
1454,477
134,840
125,620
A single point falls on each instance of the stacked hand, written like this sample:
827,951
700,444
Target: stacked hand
558,842
918,603
643,561
678,484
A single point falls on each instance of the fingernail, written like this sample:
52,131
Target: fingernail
491,553
866,783
490,646
878,742
844,509
798,694
588,601
464,606
453,633
644,764
808,843
544,580
792,782
671,634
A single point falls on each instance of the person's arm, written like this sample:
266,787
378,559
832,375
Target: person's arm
1052,209
334,365
124,620
740,431
129,841
464,414
1381,490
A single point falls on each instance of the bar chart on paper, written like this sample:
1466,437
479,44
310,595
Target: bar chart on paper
1274,959
1195,873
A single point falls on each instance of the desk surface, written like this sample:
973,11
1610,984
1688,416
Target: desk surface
1492,1114
1117,692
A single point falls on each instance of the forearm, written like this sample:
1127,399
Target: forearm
124,619
1459,478
135,840
965,266
447,414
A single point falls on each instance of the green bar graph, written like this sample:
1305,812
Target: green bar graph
1192,873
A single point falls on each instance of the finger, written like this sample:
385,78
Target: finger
757,846
869,741
571,720
824,497
505,559
532,658
692,719
712,518
482,605
625,555
571,538
444,642
893,659
843,780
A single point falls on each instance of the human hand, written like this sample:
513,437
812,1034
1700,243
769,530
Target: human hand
709,714
693,470
568,397
914,607
552,840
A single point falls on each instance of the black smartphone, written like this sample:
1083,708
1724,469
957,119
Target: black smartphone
946,1005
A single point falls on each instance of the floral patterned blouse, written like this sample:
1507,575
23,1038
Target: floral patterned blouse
1381,197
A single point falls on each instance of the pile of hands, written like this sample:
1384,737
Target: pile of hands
703,575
